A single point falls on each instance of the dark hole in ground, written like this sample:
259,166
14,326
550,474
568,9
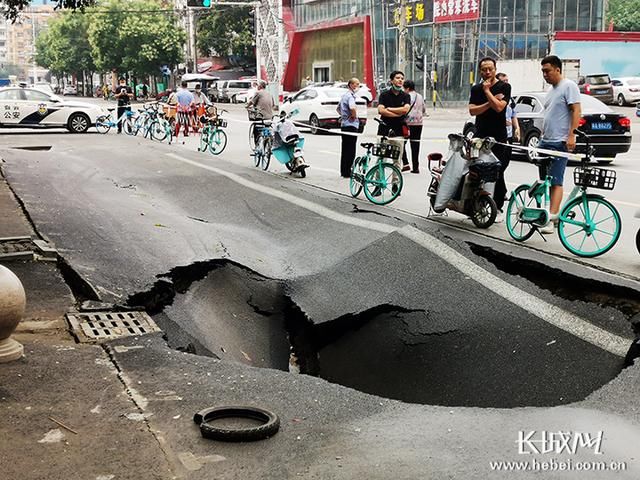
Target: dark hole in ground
45,148
223,309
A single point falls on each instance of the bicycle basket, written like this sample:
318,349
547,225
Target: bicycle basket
386,150
221,123
255,116
594,177
487,172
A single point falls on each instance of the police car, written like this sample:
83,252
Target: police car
33,108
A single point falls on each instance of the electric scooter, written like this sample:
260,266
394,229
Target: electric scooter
464,181
288,144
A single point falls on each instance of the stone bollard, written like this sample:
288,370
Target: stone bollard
12,303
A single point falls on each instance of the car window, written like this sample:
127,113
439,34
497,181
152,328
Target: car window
526,104
334,93
599,79
34,96
311,94
13,94
243,85
616,83
299,96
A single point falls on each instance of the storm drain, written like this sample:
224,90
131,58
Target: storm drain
102,326
16,247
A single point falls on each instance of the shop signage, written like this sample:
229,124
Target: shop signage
455,10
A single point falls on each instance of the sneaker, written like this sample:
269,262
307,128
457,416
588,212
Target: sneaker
406,168
376,192
548,229
415,171
499,217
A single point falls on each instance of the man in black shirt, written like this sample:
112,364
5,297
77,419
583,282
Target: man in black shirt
123,94
393,106
487,103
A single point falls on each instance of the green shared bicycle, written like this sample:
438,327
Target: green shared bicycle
588,224
213,137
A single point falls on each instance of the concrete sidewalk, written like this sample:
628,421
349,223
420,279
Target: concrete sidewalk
123,410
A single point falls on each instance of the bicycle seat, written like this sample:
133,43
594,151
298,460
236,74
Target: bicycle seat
367,145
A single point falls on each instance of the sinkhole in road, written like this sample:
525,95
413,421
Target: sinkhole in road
222,309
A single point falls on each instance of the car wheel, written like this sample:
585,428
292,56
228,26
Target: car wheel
314,123
78,123
621,100
533,139
233,100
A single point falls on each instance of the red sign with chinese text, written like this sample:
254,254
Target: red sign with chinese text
455,10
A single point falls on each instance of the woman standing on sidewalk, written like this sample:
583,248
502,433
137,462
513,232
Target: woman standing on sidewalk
414,122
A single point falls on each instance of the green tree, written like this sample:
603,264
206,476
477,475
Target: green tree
124,40
11,8
227,32
64,47
625,15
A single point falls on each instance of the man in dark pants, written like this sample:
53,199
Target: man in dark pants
487,103
349,124
123,94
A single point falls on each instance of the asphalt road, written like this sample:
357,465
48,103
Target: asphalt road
403,306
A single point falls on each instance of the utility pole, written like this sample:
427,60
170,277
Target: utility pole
402,37
192,41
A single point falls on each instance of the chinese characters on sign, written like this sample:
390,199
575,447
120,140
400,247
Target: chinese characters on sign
414,13
455,10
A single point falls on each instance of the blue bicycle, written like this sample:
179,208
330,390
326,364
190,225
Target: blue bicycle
260,132
104,123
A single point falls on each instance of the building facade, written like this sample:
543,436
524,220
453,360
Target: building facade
443,39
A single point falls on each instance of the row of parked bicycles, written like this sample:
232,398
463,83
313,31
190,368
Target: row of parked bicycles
150,121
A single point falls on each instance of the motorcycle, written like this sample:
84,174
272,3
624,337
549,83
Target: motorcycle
288,144
465,180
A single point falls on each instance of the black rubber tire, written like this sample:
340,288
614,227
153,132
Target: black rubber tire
78,123
314,123
302,172
270,426
534,134
484,203
638,240
621,100
289,165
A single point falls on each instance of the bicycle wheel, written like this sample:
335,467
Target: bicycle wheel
379,187
519,230
158,131
484,211
257,151
589,226
266,154
252,138
204,139
128,125
357,176
103,124
218,141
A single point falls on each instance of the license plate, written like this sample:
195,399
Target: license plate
601,126
602,92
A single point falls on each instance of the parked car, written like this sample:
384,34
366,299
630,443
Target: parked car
227,90
70,90
598,86
626,90
31,107
362,92
44,87
244,97
317,107
610,132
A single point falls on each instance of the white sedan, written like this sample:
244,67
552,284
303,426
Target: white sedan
31,107
317,107
626,90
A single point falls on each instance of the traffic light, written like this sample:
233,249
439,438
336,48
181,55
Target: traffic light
199,3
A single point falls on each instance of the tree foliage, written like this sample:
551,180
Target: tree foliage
227,32
64,47
11,8
140,43
625,15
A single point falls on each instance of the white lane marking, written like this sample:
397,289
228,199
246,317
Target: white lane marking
551,314
329,152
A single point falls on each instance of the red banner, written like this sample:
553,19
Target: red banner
455,10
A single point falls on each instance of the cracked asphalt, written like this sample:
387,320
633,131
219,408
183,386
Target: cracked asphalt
377,312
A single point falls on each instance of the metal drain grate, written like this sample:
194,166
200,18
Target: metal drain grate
16,247
102,326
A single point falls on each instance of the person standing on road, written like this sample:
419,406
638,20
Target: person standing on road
414,122
561,117
349,124
123,94
488,102
201,101
185,104
393,106
513,127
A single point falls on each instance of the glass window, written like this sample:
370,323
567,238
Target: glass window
13,94
34,96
